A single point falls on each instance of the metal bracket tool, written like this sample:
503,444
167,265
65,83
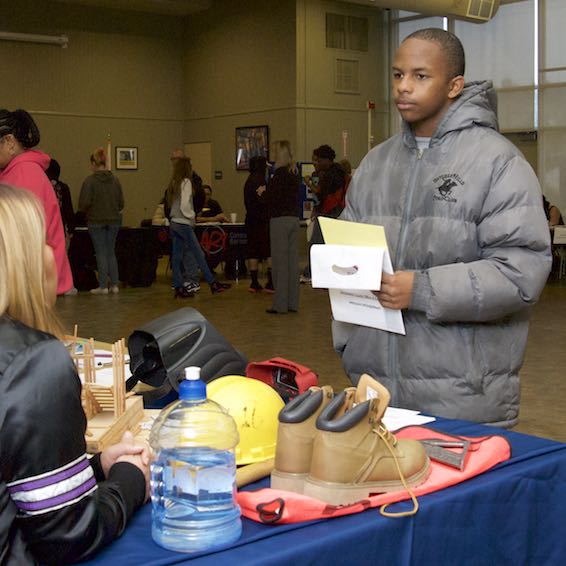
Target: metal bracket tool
437,449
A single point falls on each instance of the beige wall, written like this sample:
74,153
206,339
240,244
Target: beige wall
240,71
324,114
121,74
157,82
268,64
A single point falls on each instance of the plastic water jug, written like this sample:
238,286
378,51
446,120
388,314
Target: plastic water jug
193,479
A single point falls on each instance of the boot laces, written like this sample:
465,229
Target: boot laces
390,441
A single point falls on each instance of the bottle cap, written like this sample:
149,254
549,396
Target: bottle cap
192,373
192,388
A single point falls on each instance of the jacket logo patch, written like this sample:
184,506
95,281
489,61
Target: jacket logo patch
444,186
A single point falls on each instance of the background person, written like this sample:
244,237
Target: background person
469,242
23,167
102,201
331,193
179,200
63,194
283,204
211,209
552,213
42,442
331,183
189,269
257,222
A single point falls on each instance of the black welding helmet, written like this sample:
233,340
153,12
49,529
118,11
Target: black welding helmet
164,347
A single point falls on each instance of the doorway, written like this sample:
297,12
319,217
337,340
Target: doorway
201,159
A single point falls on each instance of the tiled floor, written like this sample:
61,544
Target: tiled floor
305,337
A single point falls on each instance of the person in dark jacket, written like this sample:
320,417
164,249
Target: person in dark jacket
56,505
64,199
552,213
469,242
257,222
331,188
283,205
102,201
211,209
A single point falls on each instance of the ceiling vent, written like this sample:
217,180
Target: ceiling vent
471,10
482,9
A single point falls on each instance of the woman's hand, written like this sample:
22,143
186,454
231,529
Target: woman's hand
139,451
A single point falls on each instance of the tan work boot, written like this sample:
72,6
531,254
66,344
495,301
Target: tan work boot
354,455
295,436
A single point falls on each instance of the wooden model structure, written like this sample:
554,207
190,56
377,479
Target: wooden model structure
109,411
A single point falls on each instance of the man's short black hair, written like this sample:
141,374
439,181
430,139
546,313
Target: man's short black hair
450,45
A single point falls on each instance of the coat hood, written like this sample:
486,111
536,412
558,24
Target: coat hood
29,156
103,176
477,105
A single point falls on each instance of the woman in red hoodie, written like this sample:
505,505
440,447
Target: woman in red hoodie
23,167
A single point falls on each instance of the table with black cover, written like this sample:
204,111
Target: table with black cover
511,515
137,251
226,243
221,243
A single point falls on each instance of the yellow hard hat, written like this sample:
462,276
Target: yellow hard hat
255,407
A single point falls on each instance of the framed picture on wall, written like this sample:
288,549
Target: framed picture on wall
251,141
126,157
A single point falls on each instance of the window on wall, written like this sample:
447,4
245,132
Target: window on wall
407,27
346,32
503,51
552,88
554,61
347,76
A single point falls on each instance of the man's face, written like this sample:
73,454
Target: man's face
176,154
421,88
321,163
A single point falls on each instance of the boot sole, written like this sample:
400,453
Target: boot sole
288,482
345,494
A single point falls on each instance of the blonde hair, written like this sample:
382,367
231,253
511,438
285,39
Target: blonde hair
22,270
283,154
98,157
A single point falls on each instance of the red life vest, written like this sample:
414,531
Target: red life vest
276,506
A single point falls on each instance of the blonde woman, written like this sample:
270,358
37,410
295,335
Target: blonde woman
283,204
56,505
102,201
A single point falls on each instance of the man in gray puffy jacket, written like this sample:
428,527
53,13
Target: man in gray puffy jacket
468,239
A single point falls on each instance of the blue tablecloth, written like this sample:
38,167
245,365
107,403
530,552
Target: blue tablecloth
513,514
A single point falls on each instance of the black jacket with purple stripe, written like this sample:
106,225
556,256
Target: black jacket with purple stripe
55,505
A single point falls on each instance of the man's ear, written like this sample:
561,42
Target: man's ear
456,87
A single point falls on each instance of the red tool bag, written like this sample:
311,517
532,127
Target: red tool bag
288,378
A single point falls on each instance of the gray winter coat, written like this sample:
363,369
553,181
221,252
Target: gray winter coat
466,215
101,198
